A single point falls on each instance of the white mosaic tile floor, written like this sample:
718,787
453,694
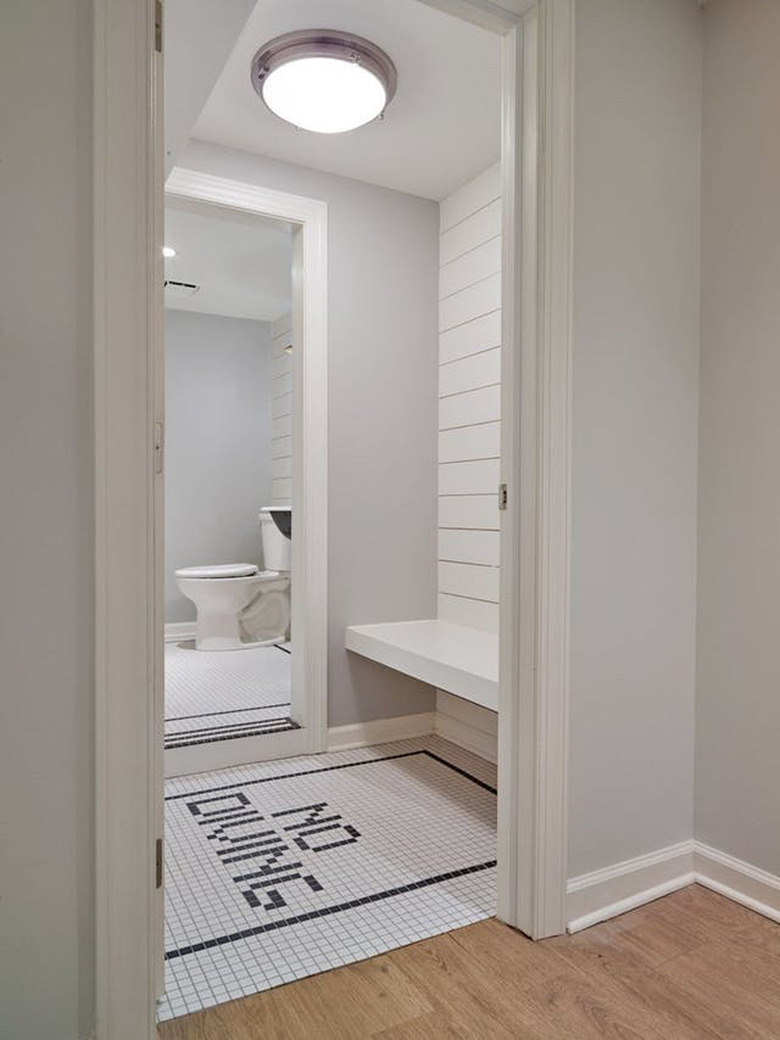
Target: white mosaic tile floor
218,695
289,868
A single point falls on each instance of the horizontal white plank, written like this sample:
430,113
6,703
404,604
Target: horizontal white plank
470,442
471,612
476,406
484,188
282,426
281,406
466,579
470,233
281,447
478,512
469,581
282,365
472,267
459,660
479,299
471,338
282,467
469,547
281,489
282,385
281,325
470,373
469,478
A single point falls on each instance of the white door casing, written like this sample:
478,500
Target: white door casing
536,391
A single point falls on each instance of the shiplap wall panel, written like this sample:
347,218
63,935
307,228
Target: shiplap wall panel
480,227
468,579
281,409
465,512
470,197
469,547
469,373
470,402
470,407
470,303
470,268
470,442
469,478
472,338
463,610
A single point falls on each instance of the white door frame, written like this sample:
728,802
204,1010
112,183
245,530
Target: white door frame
310,449
538,118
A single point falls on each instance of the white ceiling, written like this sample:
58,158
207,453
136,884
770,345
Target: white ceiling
199,36
442,128
242,263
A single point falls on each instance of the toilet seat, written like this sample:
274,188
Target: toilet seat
218,570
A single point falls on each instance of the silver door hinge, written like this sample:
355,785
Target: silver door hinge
159,447
158,863
503,496
158,26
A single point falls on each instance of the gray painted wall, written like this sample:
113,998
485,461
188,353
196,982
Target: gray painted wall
218,374
636,348
382,393
738,698
46,537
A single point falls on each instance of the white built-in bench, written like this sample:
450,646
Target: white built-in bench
460,660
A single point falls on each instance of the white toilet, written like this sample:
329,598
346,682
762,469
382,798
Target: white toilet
239,606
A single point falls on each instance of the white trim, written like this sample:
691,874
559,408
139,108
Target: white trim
537,102
536,450
615,889
127,266
380,731
467,725
179,631
622,906
224,754
734,878
310,446
457,658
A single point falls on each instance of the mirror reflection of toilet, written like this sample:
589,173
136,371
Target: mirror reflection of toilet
239,606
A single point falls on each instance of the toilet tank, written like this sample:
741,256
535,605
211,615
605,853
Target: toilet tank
276,532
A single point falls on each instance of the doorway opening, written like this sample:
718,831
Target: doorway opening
533,344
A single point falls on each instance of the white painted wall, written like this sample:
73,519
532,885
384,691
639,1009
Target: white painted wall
738,698
469,401
46,533
383,374
636,356
218,400
282,394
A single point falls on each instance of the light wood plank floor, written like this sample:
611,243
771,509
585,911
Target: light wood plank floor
692,966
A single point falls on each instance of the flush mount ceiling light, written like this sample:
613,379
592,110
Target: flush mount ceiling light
324,80
169,252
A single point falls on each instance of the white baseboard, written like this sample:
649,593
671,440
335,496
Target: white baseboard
615,890
178,631
606,893
737,880
467,725
380,731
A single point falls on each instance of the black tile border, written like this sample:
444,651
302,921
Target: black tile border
235,727
173,743
328,911
329,769
271,926
226,711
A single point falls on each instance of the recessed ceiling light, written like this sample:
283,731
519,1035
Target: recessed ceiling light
324,80
169,252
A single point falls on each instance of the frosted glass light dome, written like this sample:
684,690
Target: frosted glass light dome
324,81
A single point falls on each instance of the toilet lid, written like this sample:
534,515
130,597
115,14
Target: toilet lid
218,570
